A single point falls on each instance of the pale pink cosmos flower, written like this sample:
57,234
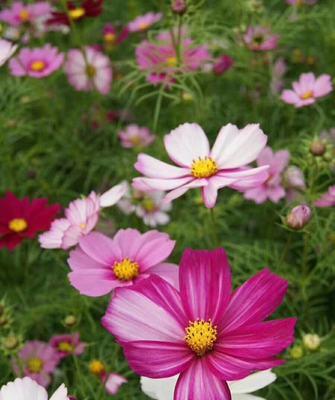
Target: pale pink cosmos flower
136,136
307,90
271,189
81,217
88,70
113,383
160,59
301,2
144,22
205,332
28,389
7,49
225,165
68,345
21,13
37,360
37,62
100,264
327,199
259,38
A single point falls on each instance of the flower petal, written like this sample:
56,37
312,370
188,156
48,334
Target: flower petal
113,195
253,382
153,168
169,272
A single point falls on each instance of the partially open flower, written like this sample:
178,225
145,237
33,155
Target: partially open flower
299,217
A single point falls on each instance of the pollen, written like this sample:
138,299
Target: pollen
110,37
35,365
204,167
143,26
37,66
66,347
18,225
82,226
307,95
77,13
126,270
96,367
201,336
149,205
171,61
24,15
91,71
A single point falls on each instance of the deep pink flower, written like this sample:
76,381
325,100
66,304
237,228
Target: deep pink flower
20,13
222,64
100,264
327,199
81,217
113,383
136,136
307,90
161,62
200,167
37,360
67,345
144,22
37,63
272,188
206,332
259,38
89,70
112,36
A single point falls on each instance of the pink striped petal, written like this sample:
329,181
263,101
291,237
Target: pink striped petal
153,168
210,194
93,283
174,194
205,284
99,247
169,272
160,184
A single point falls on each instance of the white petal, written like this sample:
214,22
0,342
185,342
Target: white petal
253,382
60,394
246,397
159,389
23,389
113,195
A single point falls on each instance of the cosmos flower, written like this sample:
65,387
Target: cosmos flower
7,49
28,389
259,38
200,167
76,12
327,199
67,345
271,189
100,264
144,22
136,136
308,90
81,217
37,360
21,13
22,219
112,36
222,64
37,62
113,383
160,60
89,70
205,332
162,389
301,2
278,71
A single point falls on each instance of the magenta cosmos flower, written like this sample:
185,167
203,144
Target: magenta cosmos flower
36,63
20,13
37,360
259,38
327,199
7,49
101,264
200,167
67,345
307,90
81,217
205,332
89,70
161,62
272,188
144,22
136,136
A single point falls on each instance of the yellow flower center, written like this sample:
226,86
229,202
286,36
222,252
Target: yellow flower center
110,37
307,95
201,336
35,365
24,15
18,225
37,66
77,13
82,226
143,26
126,270
171,62
148,204
96,367
91,71
66,347
204,168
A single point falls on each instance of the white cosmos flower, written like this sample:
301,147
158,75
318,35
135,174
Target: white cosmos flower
162,389
27,389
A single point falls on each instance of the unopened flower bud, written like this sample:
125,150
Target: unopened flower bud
11,342
4,321
296,352
70,321
299,217
311,341
179,6
318,148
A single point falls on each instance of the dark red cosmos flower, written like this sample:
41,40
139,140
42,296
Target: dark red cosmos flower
76,12
21,219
